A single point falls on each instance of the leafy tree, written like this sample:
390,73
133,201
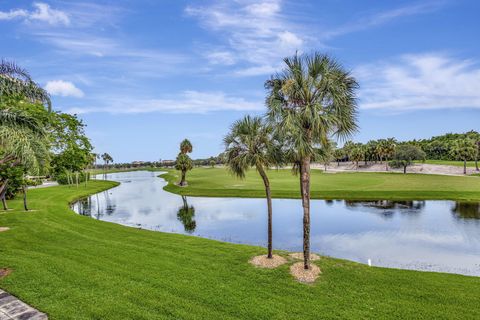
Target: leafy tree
213,163
405,155
184,164
464,150
310,100
250,143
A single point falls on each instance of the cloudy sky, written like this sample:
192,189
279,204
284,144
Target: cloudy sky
145,74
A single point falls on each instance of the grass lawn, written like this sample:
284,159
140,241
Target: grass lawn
75,267
217,182
470,164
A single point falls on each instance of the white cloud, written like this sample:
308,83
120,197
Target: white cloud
383,17
221,57
63,88
185,102
421,81
257,35
43,12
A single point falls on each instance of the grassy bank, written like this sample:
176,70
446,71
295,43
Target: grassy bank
217,182
75,267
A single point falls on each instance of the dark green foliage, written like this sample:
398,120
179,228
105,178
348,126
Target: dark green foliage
67,177
14,174
405,155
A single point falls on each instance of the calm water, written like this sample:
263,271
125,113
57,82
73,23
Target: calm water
423,235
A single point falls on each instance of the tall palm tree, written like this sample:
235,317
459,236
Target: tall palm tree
312,99
250,143
386,150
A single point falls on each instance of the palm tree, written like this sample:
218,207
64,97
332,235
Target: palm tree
184,164
464,150
186,215
106,159
16,82
386,150
250,143
186,146
357,154
312,99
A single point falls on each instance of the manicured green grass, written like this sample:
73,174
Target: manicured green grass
217,182
75,267
470,164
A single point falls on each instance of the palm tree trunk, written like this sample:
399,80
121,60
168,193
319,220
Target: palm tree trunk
269,208
182,182
25,198
305,182
386,164
3,192
404,169
464,166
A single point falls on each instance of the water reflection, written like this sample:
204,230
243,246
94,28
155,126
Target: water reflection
467,210
186,215
423,235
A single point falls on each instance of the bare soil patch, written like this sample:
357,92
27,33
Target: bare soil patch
4,229
4,272
299,256
264,262
302,275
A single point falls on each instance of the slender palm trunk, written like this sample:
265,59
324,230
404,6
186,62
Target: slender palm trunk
464,166
476,156
305,183
25,206
182,182
404,169
266,182
386,164
3,193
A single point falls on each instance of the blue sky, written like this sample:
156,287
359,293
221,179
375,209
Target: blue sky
143,75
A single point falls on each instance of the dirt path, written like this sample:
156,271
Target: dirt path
380,167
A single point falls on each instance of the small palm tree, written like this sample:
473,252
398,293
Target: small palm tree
106,159
386,150
250,143
312,99
464,150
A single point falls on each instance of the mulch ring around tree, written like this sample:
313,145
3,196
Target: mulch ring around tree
264,262
305,276
4,229
299,256
4,272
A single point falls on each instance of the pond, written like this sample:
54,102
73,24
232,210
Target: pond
441,236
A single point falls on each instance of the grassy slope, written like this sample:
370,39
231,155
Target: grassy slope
363,186
75,267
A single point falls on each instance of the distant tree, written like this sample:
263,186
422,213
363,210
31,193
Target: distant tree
250,143
106,159
212,163
405,155
186,146
357,153
339,154
464,150
386,150
183,163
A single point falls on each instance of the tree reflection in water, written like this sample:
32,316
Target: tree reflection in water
387,207
466,210
186,215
